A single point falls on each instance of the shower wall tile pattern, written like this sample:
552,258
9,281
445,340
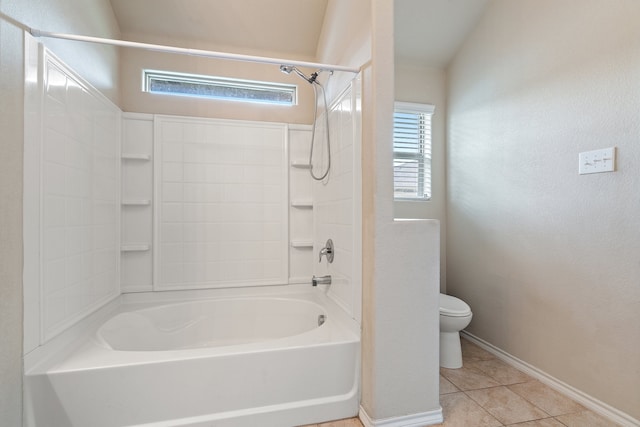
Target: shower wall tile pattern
337,200
221,203
79,193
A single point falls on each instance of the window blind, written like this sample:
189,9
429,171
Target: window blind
412,151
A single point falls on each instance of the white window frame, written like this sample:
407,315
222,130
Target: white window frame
422,155
218,82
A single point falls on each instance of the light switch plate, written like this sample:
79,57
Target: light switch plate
597,161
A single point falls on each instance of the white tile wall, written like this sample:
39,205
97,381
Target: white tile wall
337,203
221,203
77,218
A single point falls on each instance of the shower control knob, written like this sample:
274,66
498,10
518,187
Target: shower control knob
327,251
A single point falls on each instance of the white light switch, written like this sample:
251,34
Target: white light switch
597,161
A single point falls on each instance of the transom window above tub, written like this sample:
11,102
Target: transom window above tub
412,151
199,86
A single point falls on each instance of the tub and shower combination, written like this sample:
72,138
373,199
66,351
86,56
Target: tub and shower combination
121,329
268,357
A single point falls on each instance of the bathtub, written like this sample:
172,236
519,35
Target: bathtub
252,357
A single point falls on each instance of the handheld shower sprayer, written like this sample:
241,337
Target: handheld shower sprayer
312,80
287,69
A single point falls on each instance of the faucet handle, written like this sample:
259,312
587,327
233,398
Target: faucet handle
324,252
327,251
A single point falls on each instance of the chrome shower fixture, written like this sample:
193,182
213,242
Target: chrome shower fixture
287,69
313,81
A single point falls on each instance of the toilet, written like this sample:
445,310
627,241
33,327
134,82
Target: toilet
455,315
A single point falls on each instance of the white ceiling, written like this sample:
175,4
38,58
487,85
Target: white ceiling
427,32
430,32
290,27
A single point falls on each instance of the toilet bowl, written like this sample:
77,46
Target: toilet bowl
455,315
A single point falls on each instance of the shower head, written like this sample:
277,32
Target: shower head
287,69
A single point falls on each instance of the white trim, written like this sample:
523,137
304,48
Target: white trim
298,126
156,156
581,397
412,107
33,96
356,218
414,420
132,156
137,116
193,52
139,247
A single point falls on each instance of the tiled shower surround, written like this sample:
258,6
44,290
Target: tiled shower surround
72,207
222,202
127,202
337,202
234,203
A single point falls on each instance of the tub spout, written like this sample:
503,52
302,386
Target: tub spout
322,280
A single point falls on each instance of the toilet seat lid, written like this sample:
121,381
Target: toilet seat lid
452,306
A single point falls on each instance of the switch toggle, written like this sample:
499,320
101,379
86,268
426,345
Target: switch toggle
597,161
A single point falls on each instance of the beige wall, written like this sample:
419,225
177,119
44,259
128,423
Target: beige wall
549,260
348,46
345,39
346,33
96,63
427,86
134,61
99,66
11,119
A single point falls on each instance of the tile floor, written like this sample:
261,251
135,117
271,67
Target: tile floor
486,392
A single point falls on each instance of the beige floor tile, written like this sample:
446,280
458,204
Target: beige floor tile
460,411
471,352
501,372
506,406
585,419
468,378
349,422
546,398
446,386
545,422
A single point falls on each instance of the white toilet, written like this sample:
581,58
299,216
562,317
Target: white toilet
455,315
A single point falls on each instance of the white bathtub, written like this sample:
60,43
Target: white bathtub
248,357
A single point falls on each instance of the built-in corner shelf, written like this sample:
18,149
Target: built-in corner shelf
302,203
132,156
137,247
136,202
302,244
301,164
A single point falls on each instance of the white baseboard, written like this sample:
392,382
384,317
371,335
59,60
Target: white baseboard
584,399
414,420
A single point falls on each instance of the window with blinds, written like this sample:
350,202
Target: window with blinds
412,151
